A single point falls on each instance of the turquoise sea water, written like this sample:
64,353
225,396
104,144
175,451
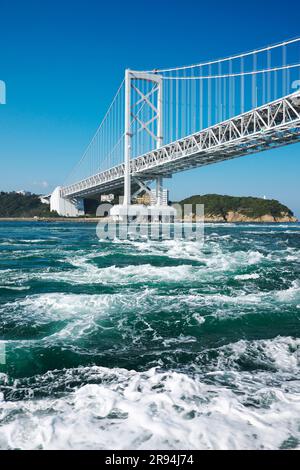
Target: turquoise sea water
150,345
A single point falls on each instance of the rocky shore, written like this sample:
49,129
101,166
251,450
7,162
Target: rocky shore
230,209
233,216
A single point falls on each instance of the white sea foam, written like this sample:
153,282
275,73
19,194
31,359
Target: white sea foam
90,273
14,287
282,353
120,409
35,240
245,277
214,256
211,264
84,311
214,260
44,308
241,395
290,294
83,314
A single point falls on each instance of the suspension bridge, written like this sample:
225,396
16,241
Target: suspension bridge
169,120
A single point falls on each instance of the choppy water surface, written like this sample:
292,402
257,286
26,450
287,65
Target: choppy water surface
151,345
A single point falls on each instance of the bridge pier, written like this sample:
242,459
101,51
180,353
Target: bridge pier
66,207
159,191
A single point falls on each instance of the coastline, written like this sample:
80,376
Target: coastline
50,219
96,220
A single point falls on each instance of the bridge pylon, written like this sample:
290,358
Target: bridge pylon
133,82
135,99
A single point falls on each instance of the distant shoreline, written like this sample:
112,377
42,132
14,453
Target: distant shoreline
49,219
15,207
96,220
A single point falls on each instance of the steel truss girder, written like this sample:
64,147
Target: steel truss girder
143,186
272,125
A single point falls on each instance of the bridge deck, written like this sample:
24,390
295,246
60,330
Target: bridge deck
272,125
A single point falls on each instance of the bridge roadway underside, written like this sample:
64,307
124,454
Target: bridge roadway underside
272,125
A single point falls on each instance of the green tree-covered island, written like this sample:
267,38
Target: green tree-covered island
217,208
18,205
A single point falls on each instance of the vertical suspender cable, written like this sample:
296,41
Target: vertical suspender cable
177,105
269,77
201,100
242,87
209,107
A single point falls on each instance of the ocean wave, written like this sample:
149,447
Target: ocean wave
121,409
80,315
86,272
246,277
150,345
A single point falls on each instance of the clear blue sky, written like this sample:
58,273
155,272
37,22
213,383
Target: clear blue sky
63,60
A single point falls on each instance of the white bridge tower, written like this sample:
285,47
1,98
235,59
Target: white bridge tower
133,81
